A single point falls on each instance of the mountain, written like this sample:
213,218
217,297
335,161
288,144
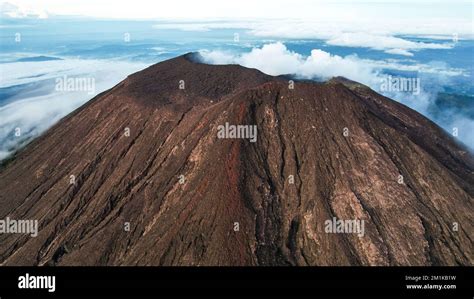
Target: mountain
151,172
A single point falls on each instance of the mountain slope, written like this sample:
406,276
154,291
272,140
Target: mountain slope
153,185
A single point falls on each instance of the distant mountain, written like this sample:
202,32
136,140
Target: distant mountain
38,58
185,163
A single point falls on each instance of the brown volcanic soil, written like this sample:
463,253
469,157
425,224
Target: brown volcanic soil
173,132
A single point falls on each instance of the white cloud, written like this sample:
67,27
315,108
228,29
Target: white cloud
218,57
379,27
35,114
207,25
16,73
382,42
15,11
465,128
437,68
379,34
396,51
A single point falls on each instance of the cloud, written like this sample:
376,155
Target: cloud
465,128
275,59
398,51
388,35
10,10
390,44
34,114
199,26
16,73
438,68
361,29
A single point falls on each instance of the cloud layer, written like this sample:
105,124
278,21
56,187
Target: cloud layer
383,34
275,59
34,114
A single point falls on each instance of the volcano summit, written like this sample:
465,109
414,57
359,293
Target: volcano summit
139,176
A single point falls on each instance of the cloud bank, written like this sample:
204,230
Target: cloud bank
389,35
33,114
275,59
9,10
391,44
